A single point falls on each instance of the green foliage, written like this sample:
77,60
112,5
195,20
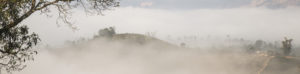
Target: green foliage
16,42
15,48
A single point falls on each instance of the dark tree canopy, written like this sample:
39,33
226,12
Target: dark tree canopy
16,41
107,32
15,46
287,46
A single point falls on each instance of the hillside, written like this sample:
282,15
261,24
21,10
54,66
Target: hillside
139,39
151,54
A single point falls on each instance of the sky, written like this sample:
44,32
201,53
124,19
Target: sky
186,4
219,18
209,4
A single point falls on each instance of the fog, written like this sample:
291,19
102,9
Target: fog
210,54
117,57
248,23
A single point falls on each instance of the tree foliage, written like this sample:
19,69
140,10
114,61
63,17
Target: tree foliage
287,46
15,47
16,41
259,44
107,32
15,11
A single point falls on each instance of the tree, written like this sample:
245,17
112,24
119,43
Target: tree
107,32
258,44
15,47
287,46
15,40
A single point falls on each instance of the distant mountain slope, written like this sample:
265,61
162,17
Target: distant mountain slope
275,3
141,40
118,42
